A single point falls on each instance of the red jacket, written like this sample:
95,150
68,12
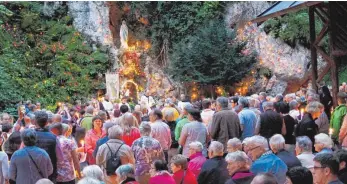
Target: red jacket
130,137
189,178
90,144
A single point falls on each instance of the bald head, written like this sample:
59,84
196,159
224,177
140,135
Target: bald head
265,178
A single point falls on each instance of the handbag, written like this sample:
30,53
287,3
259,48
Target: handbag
35,164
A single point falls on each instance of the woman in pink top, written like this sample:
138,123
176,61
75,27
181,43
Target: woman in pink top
129,125
196,157
160,174
92,136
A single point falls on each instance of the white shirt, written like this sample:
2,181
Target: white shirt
306,159
206,116
161,132
107,105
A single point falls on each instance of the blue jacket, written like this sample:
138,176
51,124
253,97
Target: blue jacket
98,144
269,162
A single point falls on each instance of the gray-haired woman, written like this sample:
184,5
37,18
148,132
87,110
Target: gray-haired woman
31,163
126,174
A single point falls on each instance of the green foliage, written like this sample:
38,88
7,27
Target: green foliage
45,59
292,28
210,56
167,20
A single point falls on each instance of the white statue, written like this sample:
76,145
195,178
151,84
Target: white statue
124,35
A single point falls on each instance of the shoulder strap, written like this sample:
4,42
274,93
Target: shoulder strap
184,174
35,164
116,151
109,149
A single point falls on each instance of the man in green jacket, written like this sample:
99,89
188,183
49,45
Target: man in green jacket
86,122
338,115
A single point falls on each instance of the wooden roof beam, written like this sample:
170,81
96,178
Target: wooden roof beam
285,11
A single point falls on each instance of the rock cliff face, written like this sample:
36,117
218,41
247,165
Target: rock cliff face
100,21
289,66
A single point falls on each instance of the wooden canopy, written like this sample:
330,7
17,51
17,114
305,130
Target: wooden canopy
333,14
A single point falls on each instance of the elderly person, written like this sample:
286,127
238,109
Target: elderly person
160,131
271,122
92,136
303,151
248,119
225,123
307,125
114,146
103,140
326,168
180,172
169,119
93,171
69,164
238,167
264,161
31,163
277,145
196,158
130,131
323,143
297,175
159,173
125,174
193,131
168,108
233,145
214,170
146,150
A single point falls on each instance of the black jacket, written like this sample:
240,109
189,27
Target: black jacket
290,124
288,158
270,123
214,171
307,127
48,141
343,175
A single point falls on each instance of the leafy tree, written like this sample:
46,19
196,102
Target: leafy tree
45,59
210,56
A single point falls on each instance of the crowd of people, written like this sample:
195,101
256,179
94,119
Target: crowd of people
259,139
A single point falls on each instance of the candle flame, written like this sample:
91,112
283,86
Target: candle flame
331,131
82,143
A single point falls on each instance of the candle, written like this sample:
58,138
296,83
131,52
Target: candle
331,132
302,113
82,143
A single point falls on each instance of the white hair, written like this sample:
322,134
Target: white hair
234,142
237,156
93,171
196,145
137,108
277,142
324,139
44,181
88,180
304,143
115,132
216,147
258,140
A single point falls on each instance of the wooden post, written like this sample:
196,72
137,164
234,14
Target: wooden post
313,48
333,67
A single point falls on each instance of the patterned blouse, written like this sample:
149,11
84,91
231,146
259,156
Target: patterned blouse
146,150
65,167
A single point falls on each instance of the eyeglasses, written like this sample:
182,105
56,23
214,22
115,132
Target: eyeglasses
318,167
253,148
